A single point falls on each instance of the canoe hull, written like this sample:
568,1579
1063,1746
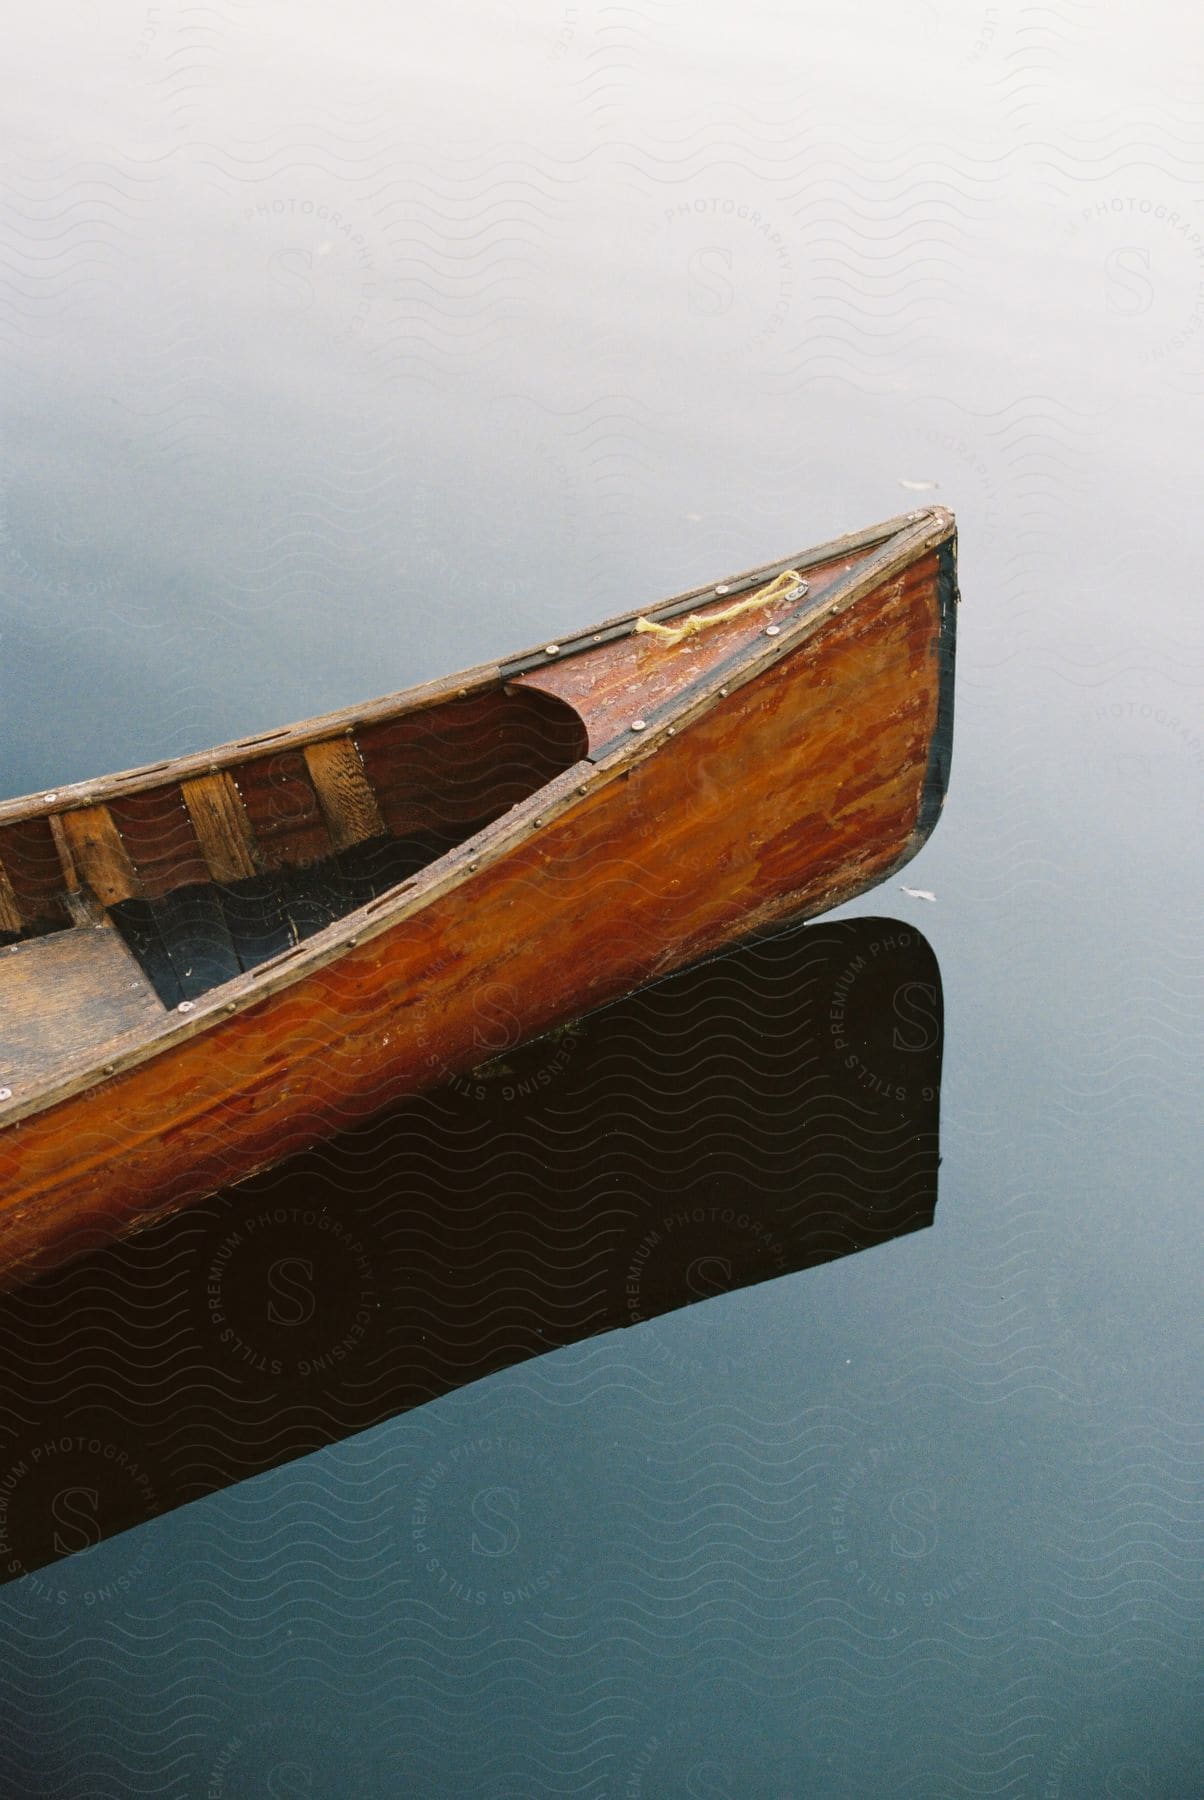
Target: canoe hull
791,794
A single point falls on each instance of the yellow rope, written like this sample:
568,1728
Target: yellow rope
789,584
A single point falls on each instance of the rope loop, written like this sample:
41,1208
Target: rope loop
789,585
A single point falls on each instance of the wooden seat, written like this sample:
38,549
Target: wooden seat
63,998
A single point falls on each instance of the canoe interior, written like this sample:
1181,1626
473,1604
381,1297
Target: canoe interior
207,878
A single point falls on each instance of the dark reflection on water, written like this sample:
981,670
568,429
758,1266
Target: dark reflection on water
768,1110
342,350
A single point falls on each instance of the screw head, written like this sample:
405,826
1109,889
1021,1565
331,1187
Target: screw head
551,649
772,630
109,1068
639,724
185,1006
723,588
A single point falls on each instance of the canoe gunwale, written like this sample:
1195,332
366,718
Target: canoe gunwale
909,528
897,544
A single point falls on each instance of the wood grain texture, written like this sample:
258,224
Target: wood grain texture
64,993
470,760
159,835
222,828
283,810
34,870
10,907
100,857
791,793
344,792
642,676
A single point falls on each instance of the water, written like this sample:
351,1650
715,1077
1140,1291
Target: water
343,351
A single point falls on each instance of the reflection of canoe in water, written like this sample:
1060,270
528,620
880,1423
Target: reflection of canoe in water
219,959
738,1121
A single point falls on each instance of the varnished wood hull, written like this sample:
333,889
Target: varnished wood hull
775,774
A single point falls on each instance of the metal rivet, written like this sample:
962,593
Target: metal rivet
230,1006
723,693
184,1006
109,1068
638,724
474,865
461,693
723,588
551,649
50,797
353,940
6,1093
597,637
583,790
772,630
538,821
671,731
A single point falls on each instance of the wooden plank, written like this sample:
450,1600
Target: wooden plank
99,855
197,939
661,674
344,792
256,920
290,831
158,833
68,873
34,870
10,906
62,998
223,830
135,920
471,761
313,898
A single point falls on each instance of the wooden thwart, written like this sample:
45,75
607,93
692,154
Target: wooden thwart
221,825
10,906
65,997
344,793
100,857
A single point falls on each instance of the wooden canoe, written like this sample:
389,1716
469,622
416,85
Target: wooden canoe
212,962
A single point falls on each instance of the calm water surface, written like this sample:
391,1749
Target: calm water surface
342,348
